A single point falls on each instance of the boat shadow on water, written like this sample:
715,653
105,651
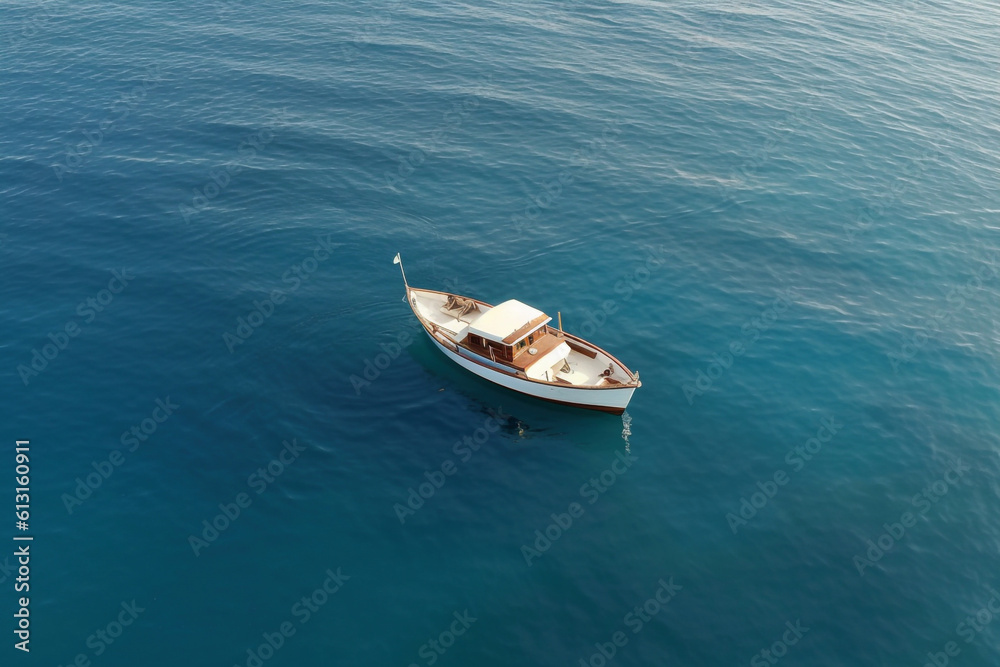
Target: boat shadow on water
527,419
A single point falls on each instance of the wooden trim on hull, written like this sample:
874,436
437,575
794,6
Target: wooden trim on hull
496,381
506,369
600,408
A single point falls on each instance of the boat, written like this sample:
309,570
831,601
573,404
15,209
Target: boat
513,345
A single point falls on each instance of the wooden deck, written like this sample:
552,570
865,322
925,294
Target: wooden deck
544,345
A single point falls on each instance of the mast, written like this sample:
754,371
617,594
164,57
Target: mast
397,260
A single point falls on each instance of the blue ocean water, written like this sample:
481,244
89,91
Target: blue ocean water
784,215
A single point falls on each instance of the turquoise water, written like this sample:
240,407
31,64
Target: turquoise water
783,215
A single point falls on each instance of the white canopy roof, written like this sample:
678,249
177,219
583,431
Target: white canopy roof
501,322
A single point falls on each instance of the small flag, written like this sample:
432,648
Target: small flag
395,259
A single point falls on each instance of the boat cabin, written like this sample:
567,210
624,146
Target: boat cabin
515,334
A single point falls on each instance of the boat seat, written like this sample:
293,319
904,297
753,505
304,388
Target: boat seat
457,328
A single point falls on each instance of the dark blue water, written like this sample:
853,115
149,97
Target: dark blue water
784,215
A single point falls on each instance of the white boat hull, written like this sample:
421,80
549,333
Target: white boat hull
613,400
